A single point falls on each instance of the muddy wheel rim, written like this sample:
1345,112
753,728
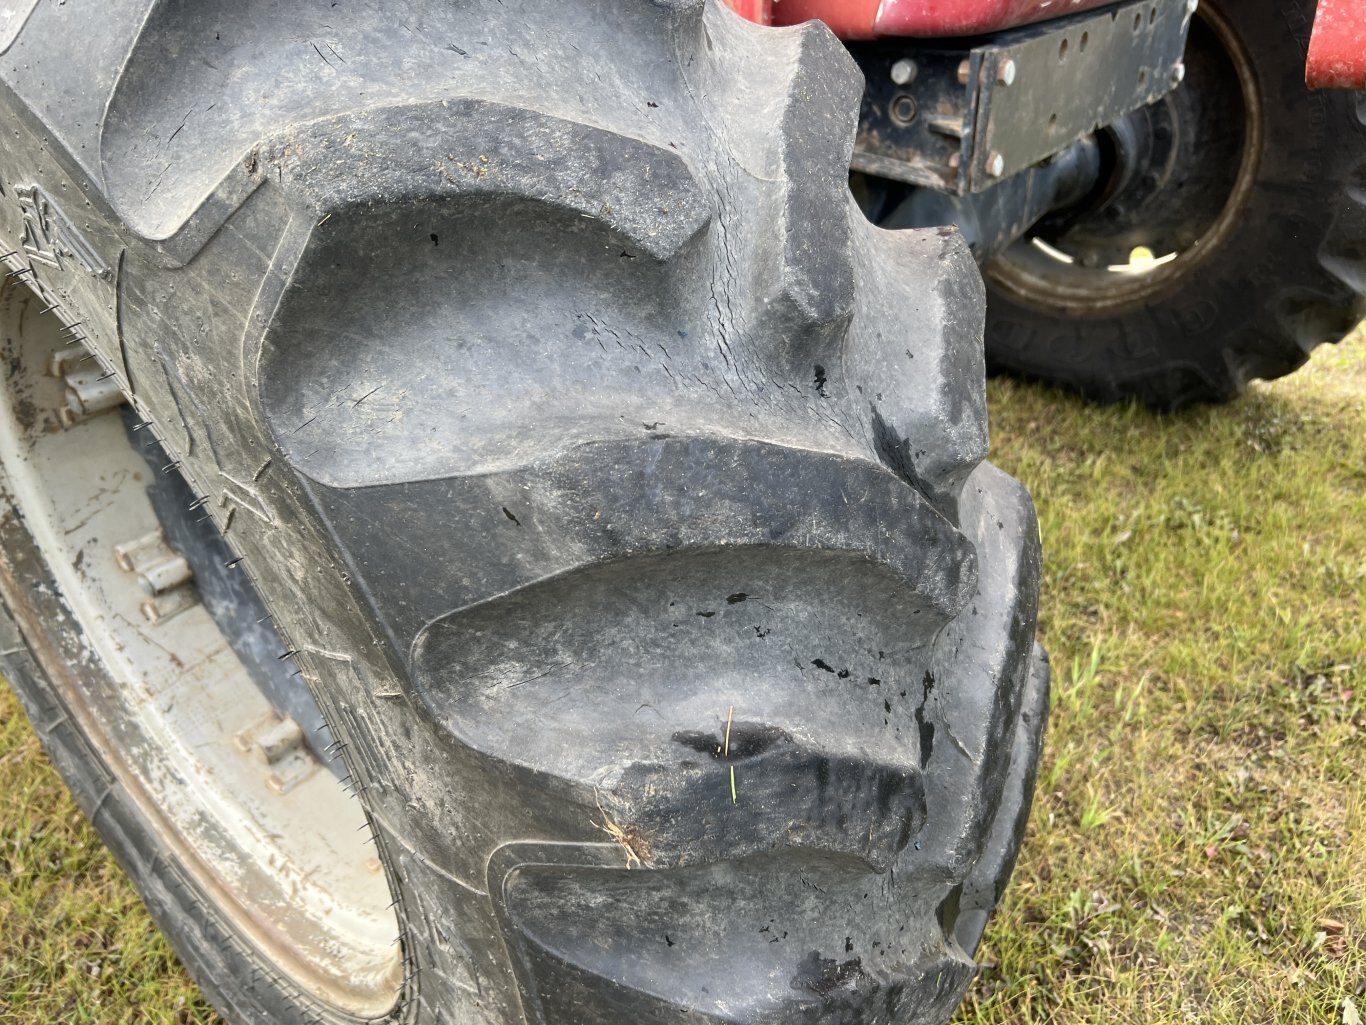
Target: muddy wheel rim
262,826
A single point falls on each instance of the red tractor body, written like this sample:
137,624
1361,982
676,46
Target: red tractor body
872,19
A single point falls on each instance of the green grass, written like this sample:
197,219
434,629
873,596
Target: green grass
76,944
1199,833
1197,850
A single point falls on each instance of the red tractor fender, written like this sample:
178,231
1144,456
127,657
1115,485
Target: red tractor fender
760,11
870,19
1337,47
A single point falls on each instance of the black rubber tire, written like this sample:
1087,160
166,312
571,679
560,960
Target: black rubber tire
533,354
1288,276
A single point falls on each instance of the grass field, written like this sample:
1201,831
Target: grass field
1198,846
1198,843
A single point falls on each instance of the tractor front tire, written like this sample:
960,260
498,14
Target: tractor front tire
614,490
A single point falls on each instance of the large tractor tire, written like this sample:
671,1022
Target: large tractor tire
1244,188
600,608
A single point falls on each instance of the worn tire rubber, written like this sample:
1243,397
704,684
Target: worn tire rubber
1289,276
532,352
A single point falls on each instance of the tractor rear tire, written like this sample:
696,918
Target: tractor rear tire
1256,186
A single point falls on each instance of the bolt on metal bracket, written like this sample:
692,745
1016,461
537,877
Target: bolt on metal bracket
1016,98
162,573
89,392
279,743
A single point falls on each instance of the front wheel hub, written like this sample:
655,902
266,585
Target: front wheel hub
1174,177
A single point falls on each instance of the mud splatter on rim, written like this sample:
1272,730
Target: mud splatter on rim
110,612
